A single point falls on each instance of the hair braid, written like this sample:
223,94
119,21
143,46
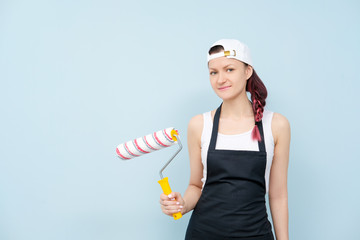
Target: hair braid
258,93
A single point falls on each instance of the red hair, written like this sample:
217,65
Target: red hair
258,92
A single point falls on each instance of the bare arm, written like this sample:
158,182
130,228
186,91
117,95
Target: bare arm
278,195
193,191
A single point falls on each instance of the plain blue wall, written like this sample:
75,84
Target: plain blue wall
80,77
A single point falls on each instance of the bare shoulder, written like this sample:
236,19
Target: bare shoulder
280,121
280,126
196,122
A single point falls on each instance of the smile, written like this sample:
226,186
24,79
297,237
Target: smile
224,88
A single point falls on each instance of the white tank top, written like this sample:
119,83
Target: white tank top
240,141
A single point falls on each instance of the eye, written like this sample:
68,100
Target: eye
212,73
229,69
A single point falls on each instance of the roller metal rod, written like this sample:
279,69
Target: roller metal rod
180,147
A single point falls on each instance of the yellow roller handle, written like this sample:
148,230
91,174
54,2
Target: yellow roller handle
164,183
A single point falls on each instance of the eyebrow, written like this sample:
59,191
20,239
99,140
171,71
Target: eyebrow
226,66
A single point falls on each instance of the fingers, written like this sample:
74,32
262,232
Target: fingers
166,197
170,204
171,208
176,196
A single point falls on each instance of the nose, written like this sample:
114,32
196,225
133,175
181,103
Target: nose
221,78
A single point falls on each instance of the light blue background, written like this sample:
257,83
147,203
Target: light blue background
80,77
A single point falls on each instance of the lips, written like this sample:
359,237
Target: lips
224,88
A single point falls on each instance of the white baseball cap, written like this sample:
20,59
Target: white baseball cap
232,49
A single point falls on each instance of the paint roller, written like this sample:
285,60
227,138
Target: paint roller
150,143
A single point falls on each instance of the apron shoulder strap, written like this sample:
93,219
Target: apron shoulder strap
261,143
215,129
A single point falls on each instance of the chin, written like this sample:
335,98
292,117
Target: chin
228,96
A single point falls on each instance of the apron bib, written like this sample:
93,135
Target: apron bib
232,203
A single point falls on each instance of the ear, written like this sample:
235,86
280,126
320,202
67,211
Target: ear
248,71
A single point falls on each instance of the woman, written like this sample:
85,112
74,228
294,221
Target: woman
238,153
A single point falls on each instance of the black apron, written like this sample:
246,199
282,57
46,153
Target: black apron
232,203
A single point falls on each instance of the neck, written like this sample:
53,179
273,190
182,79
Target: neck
237,108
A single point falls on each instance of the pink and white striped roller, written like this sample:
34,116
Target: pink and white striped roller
147,144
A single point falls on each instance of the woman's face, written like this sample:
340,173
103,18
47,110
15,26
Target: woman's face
228,77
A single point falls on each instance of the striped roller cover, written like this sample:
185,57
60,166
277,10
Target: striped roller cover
147,144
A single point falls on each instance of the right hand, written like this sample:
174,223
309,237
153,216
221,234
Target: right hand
172,203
